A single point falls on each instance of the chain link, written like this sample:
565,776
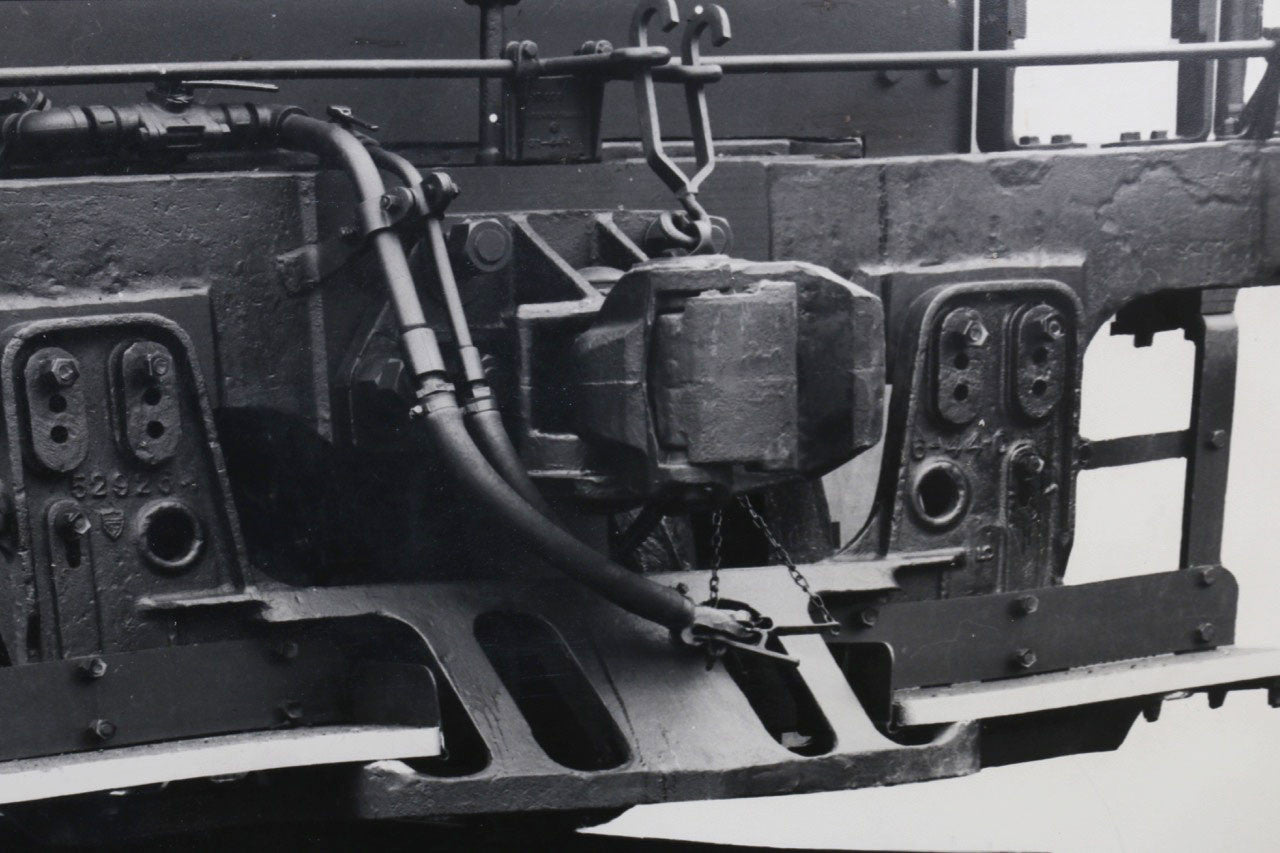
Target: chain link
717,548
781,553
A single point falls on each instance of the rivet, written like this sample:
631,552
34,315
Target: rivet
1024,658
102,730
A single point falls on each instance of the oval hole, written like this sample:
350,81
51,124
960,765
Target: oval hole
780,698
565,714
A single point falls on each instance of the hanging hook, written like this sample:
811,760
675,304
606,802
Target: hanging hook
705,16
668,15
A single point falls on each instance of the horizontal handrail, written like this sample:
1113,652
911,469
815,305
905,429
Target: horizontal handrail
620,63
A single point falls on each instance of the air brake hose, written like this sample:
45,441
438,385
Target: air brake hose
443,419
483,419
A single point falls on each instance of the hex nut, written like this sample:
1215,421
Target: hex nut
1024,658
63,371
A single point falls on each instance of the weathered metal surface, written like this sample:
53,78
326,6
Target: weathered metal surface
1087,685
167,694
120,501
764,107
986,637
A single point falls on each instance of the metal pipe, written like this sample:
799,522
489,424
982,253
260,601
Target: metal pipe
619,64
483,419
443,418
492,40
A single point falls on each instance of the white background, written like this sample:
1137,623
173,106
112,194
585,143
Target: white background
1198,779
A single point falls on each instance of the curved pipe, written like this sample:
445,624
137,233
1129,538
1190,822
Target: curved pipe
484,421
628,590
443,418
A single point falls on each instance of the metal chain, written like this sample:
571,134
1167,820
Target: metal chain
783,555
717,547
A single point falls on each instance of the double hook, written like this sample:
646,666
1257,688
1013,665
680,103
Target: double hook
691,229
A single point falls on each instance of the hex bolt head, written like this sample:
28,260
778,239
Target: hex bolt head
889,76
1024,659
1031,462
73,522
1051,327
975,333
157,365
1217,439
868,617
290,711
62,371
1205,632
1206,575
93,668
486,244
1061,139
942,75
102,730
1025,605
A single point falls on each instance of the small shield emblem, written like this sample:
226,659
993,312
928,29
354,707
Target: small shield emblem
112,521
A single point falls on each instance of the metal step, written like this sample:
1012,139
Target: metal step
1101,683
27,779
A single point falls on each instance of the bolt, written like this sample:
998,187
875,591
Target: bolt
102,730
1028,140
1230,126
682,588
1205,632
943,75
1206,575
1217,439
1051,327
73,522
156,365
975,333
93,668
1159,134
62,371
1024,658
290,711
889,76
1031,462
1025,605
384,375
1131,136
869,617
1061,139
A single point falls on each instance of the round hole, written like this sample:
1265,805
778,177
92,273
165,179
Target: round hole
941,493
1039,387
961,361
151,396
57,403
961,392
155,429
169,535
60,434
1040,355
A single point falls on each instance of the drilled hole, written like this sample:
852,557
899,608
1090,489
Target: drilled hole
1039,387
155,429
961,393
60,434
939,493
151,396
1040,355
57,403
170,536
961,361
